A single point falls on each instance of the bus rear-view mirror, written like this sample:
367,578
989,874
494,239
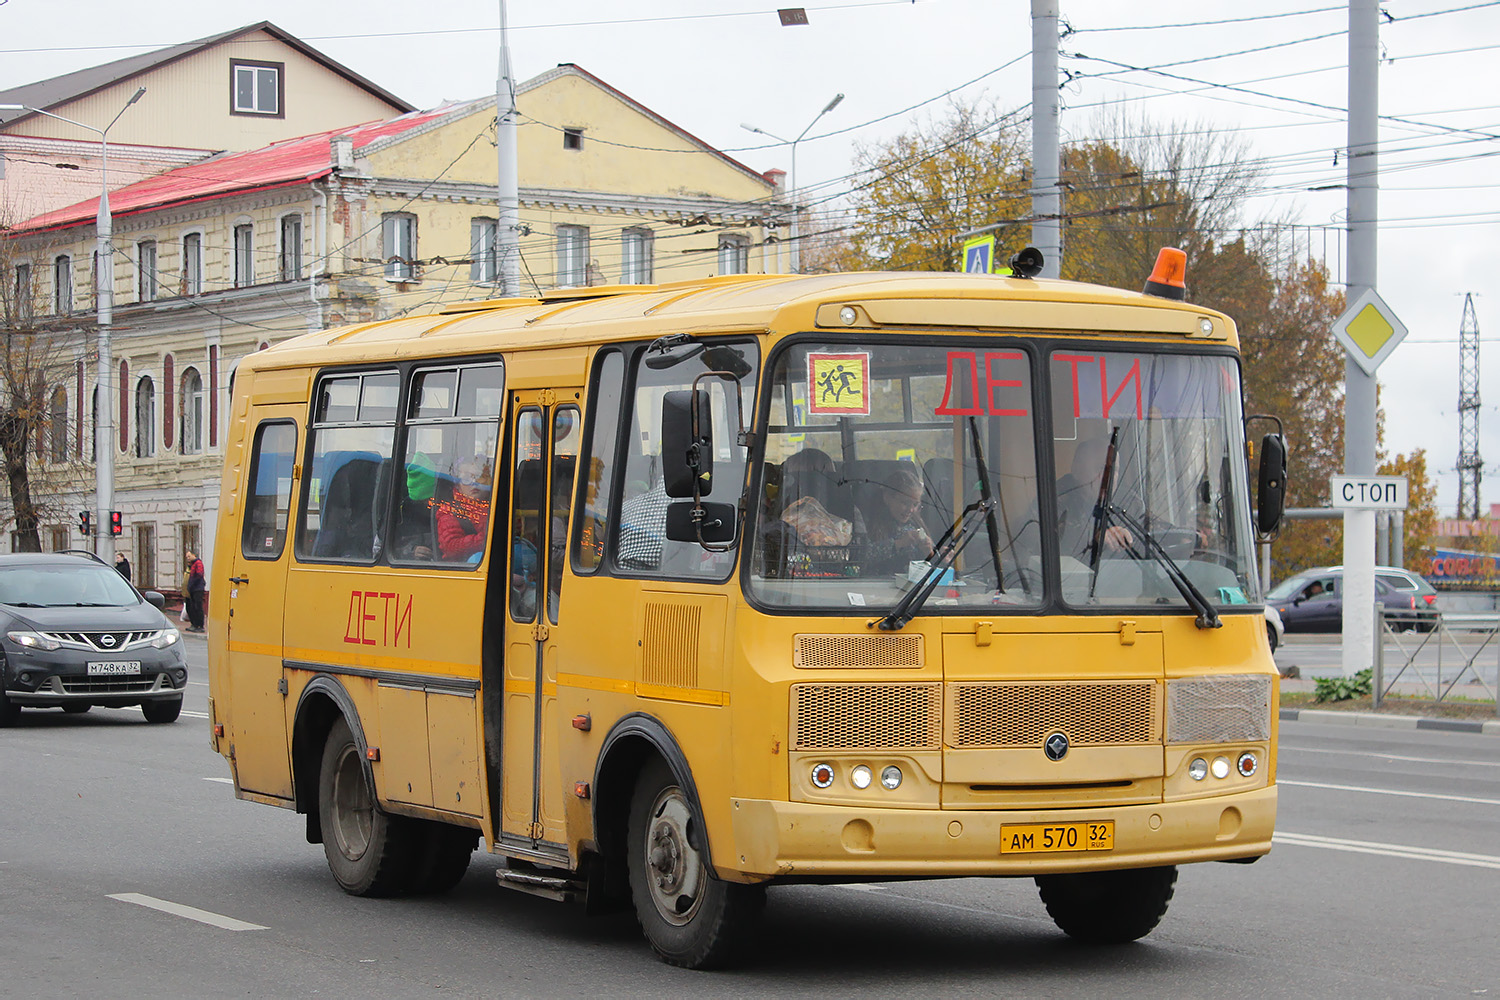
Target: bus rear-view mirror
1270,494
687,454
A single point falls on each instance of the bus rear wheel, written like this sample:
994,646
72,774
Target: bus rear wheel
442,857
370,852
1108,907
692,918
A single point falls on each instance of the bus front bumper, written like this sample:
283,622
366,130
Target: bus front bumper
799,839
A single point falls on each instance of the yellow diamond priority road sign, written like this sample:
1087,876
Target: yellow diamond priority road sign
1369,331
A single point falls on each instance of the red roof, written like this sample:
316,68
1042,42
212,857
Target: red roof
291,161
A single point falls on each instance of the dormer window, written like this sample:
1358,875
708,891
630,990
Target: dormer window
257,88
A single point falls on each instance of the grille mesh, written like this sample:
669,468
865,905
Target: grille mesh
669,645
866,716
1009,715
1228,709
859,651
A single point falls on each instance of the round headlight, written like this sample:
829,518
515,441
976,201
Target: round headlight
1221,767
891,777
1246,764
1198,769
822,775
860,777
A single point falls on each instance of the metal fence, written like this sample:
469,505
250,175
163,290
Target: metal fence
1472,645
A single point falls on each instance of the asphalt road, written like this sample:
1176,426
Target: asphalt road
1384,883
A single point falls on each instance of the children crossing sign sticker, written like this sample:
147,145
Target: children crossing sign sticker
839,384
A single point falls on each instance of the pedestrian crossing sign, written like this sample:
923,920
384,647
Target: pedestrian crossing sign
979,255
839,383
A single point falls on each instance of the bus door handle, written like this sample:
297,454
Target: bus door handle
239,579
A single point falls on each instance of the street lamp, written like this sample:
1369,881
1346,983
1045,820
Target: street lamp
792,177
104,456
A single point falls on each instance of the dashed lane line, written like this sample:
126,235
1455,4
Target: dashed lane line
226,781
189,912
1389,791
1387,850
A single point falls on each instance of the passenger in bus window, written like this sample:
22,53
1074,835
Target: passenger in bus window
1078,495
643,528
893,523
414,514
461,522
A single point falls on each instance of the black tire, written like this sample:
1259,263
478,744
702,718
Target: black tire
1271,636
10,712
692,918
74,708
370,852
442,857
1108,907
162,711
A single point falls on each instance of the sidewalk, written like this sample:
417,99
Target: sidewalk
1381,720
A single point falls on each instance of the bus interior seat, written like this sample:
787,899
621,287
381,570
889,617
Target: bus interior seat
347,527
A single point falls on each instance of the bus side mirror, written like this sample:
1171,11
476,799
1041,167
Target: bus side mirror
687,452
715,526
1270,495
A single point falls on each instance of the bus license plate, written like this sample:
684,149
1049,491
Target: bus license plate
108,668
1053,837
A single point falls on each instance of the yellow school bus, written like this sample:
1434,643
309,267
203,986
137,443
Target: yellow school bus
671,593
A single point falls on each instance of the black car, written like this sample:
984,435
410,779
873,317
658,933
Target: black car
74,634
1313,600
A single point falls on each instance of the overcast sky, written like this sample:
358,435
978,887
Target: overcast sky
710,65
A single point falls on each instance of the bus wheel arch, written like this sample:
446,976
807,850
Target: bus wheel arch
633,742
323,702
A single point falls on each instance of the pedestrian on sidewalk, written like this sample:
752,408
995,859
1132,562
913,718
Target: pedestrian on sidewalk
197,588
123,565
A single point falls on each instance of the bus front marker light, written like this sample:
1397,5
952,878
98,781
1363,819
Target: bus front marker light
891,778
1246,764
822,775
848,315
1198,769
1205,326
1221,767
860,777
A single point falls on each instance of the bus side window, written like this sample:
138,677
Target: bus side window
596,491
270,498
353,435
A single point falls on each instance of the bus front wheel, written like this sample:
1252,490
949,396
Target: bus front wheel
691,917
369,851
1108,907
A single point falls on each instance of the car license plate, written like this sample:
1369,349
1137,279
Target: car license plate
107,668
1053,837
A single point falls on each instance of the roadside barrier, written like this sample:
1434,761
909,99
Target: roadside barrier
1469,636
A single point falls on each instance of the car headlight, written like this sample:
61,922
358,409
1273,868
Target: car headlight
166,637
32,640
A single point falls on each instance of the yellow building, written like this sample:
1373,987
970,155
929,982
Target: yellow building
218,258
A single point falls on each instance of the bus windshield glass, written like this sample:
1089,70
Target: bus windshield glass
874,453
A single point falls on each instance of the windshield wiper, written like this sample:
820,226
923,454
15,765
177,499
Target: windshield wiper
1207,616
943,553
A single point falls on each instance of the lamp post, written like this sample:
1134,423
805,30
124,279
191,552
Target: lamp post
792,177
104,298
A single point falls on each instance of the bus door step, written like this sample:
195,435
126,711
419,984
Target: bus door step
562,889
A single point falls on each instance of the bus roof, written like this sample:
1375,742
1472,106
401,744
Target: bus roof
778,304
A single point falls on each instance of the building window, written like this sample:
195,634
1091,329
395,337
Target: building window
257,88
192,264
62,284
484,266
244,255
734,254
636,257
572,255
58,425
145,418
291,247
191,421
145,271
572,138
60,536
399,245
145,556
21,306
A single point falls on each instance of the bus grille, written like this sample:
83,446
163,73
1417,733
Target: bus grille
866,716
891,651
1017,715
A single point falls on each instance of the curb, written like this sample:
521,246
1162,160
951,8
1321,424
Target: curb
1377,720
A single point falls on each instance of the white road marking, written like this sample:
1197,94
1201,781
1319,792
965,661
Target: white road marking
1388,850
199,684
1391,756
227,781
194,715
190,912
1390,791
860,887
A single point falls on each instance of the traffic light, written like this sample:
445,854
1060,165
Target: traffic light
83,522
116,523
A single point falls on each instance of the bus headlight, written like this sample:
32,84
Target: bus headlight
890,778
860,777
1220,767
1198,769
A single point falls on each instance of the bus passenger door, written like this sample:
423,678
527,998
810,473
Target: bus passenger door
545,435
256,708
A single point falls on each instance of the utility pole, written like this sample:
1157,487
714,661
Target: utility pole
508,195
1362,163
1046,166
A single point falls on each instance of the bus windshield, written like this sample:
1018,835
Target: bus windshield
1090,477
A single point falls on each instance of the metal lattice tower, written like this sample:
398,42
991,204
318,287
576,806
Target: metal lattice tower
1469,463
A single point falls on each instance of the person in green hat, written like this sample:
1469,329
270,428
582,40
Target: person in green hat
414,517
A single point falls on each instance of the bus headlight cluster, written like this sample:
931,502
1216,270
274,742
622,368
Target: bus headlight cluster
861,776
1246,765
